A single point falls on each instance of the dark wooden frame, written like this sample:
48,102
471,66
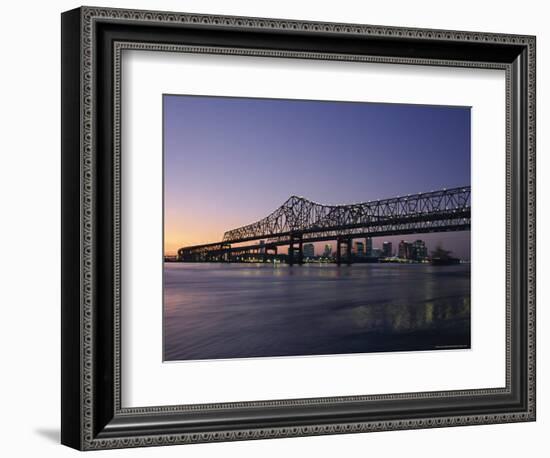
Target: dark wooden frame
92,39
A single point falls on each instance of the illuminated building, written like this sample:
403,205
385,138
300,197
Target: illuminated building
309,250
404,251
419,250
368,246
387,249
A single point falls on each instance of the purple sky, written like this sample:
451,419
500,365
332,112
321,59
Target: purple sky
232,161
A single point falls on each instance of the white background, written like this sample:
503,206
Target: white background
29,250
147,75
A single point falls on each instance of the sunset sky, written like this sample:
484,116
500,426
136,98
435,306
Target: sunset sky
232,161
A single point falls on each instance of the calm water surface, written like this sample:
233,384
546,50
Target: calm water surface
254,310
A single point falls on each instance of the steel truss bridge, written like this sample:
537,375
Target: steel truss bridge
300,221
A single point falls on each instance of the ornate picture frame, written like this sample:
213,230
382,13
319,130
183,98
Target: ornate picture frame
93,416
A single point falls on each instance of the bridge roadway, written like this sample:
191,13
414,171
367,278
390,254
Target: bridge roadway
300,221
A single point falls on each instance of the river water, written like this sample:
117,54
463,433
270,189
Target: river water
222,310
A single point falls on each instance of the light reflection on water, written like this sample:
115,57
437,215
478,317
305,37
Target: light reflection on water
216,311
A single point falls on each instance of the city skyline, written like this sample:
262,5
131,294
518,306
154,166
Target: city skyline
431,240
229,160
378,248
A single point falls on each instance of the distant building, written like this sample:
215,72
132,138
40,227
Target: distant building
359,248
404,250
309,250
327,253
419,250
368,246
415,251
387,249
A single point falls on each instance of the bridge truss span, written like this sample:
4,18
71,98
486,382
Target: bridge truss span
300,215
300,220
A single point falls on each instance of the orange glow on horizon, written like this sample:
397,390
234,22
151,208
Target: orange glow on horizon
207,226
176,239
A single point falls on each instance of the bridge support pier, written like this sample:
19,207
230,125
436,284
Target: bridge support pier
290,258
348,243
226,253
267,249
295,239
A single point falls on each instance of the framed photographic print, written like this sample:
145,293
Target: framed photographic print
279,228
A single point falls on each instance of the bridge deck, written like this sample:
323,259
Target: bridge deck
302,220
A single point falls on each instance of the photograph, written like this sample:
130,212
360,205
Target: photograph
314,227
